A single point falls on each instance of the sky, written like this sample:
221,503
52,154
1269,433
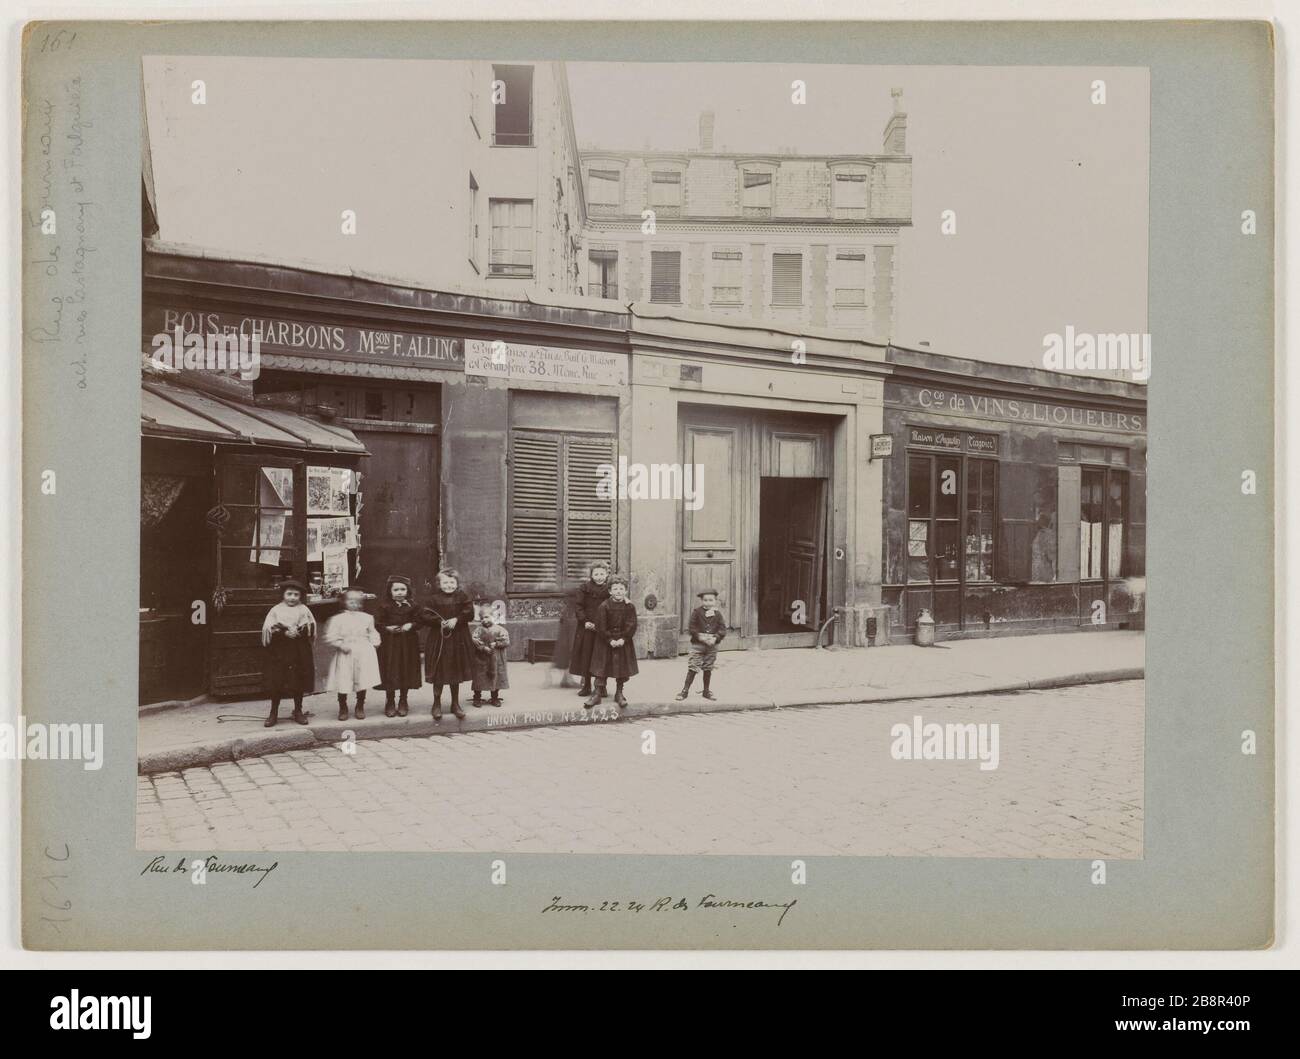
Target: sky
1050,189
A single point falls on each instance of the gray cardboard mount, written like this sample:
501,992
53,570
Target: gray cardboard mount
1206,879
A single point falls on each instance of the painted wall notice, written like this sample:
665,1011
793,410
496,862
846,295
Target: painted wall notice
519,362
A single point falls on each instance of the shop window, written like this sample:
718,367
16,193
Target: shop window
937,504
666,276
787,279
258,546
1103,519
727,277
511,251
560,523
513,106
981,512
602,273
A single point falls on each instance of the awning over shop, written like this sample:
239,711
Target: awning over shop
170,411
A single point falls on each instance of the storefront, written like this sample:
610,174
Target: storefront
753,445
479,424
1014,499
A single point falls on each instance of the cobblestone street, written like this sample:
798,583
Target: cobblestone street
808,781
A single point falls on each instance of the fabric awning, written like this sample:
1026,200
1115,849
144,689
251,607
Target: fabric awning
170,411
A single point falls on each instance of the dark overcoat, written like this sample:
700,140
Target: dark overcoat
449,653
399,652
615,620
587,601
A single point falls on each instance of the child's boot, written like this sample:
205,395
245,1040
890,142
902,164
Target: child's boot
403,707
437,704
495,700
343,707
585,690
273,716
597,695
619,699
478,699
299,714
360,712
390,707
455,702
686,688
706,692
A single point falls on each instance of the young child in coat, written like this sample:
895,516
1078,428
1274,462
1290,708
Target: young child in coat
490,643
614,654
287,635
708,628
589,598
355,665
399,651
449,654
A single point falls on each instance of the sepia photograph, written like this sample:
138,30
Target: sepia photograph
491,411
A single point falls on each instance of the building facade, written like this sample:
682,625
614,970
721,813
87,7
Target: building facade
1014,498
802,241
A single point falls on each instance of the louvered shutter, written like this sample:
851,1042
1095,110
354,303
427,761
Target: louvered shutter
665,276
588,518
787,279
534,511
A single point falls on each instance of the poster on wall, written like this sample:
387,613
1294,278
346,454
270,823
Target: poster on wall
334,570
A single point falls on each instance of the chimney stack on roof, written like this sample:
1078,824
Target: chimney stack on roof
896,127
706,131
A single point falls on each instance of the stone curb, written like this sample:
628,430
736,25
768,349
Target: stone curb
296,737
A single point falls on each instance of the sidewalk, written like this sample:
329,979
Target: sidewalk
209,732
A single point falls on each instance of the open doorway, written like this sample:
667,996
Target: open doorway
791,555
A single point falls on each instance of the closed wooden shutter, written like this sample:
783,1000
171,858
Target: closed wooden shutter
534,510
588,517
1014,555
1067,524
787,279
559,521
665,276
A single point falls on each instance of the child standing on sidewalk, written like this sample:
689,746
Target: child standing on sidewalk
399,653
708,628
355,665
590,596
490,643
449,654
614,654
287,634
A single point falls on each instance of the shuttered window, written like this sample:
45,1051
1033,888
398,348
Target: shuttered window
559,522
850,277
511,251
665,276
787,279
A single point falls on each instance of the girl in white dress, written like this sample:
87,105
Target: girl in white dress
355,665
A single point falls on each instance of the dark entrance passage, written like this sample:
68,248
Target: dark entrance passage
791,556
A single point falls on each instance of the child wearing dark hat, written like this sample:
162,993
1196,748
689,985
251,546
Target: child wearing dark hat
708,628
449,654
399,649
355,665
287,634
590,596
614,654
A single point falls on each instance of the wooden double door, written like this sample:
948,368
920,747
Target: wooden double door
757,532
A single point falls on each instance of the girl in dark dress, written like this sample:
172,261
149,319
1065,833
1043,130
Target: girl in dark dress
449,654
399,653
590,596
287,634
614,654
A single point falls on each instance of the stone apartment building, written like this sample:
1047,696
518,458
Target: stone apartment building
803,241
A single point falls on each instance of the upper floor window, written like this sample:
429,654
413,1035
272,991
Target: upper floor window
512,99
666,192
849,194
666,276
511,252
727,277
604,193
473,222
849,277
787,279
756,193
602,273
